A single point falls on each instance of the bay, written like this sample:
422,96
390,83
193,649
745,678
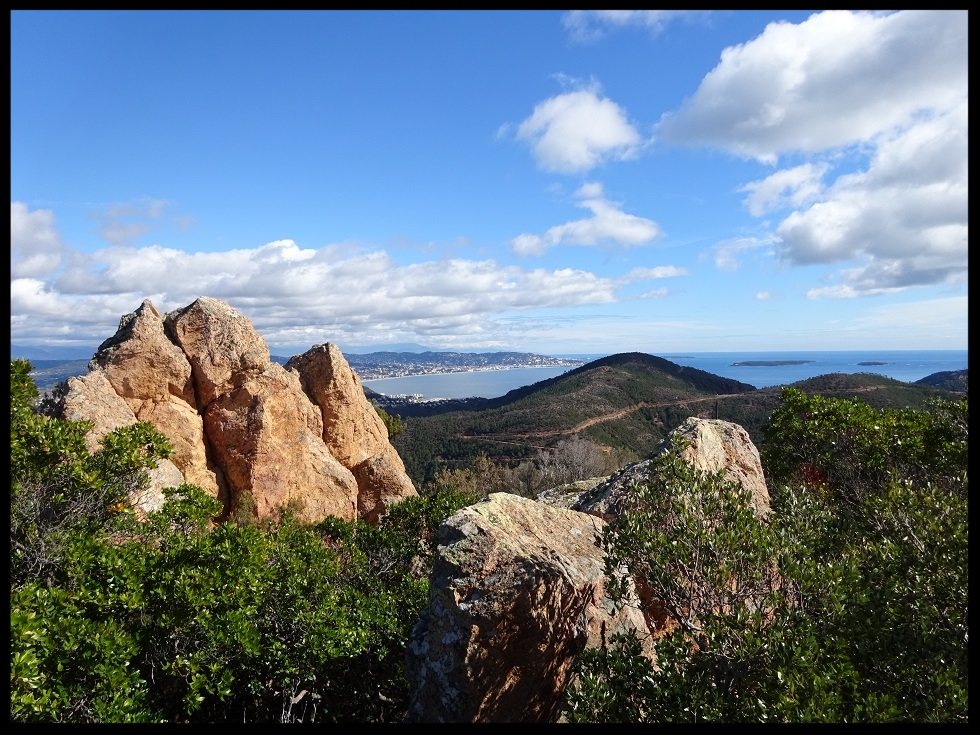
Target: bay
482,383
905,365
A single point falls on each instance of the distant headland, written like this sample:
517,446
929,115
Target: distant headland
876,363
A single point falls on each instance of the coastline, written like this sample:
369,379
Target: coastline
450,370
907,366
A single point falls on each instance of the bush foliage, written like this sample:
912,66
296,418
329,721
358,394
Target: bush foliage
849,602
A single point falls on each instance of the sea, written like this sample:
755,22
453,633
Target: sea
905,365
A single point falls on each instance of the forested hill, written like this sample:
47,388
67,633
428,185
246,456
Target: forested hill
630,393
697,379
621,377
628,401
955,380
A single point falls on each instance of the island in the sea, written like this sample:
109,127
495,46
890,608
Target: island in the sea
769,363
379,365
876,363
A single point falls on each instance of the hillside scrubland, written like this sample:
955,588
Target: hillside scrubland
858,609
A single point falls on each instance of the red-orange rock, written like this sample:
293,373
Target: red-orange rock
92,398
352,429
242,427
222,346
266,437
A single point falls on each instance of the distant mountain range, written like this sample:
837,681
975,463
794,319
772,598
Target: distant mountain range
376,365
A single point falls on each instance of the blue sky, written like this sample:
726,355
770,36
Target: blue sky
584,182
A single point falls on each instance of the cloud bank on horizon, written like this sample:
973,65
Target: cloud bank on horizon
755,181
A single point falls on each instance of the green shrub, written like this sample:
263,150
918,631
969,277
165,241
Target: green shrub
854,605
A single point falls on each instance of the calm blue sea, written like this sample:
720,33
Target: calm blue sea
905,365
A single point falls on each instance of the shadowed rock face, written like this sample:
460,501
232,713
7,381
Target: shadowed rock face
517,592
251,433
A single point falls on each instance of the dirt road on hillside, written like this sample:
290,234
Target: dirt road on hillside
618,415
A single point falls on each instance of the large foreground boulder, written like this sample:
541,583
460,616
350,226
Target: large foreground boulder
518,590
255,435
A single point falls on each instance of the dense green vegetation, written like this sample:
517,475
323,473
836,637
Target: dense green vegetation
848,604
178,619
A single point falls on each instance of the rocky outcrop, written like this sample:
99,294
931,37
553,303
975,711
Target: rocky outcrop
711,445
222,347
154,377
256,435
517,592
569,494
352,429
267,437
715,445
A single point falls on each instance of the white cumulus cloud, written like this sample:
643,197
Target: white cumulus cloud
36,248
789,187
879,102
576,131
608,224
839,78
905,219
297,296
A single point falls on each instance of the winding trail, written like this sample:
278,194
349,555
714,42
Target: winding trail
617,415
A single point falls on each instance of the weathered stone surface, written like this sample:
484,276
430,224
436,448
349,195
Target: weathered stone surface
721,445
712,445
92,398
184,427
566,496
222,346
154,377
267,440
352,429
381,482
243,427
141,362
517,592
